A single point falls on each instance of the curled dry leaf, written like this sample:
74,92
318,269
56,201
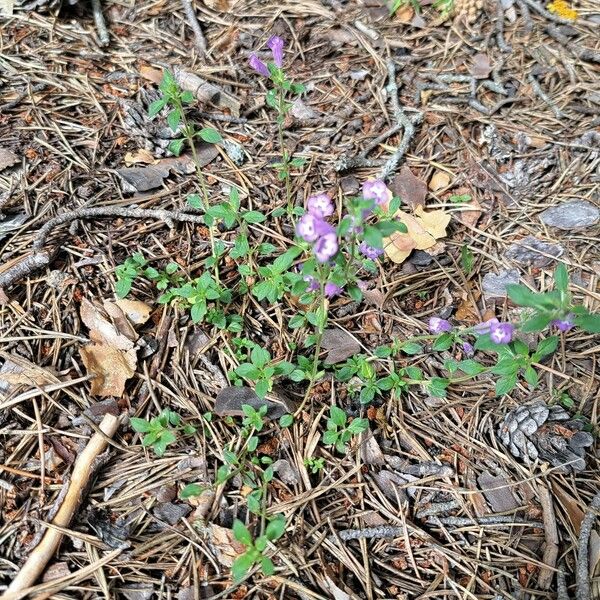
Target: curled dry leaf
481,67
18,371
439,180
139,156
339,344
136,311
224,546
409,188
470,213
424,229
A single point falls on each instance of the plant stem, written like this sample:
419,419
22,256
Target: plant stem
284,152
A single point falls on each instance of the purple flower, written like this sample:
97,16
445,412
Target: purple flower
363,286
331,290
565,324
468,349
486,326
276,44
501,333
355,225
370,251
437,325
310,227
326,247
258,65
320,205
313,284
375,189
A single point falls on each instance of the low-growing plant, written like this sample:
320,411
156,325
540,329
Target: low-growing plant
339,432
255,548
160,431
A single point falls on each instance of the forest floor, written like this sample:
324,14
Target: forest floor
496,124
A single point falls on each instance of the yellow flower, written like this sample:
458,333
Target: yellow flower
562,9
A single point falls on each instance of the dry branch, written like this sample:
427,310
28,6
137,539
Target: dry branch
82,472
41,257
100,23
190,15
582,574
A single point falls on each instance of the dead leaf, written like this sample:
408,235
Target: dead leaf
220,5
471,215
7,158
139,156
466,311
111,366
136,311
286,471
497,492
439,181
424,229
370,451
409,188
375,297
340,344
122,324
101,329
225,547
56,570
404,14
230,399
481,67
570,505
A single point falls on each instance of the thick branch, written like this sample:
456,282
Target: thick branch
582,574
190,15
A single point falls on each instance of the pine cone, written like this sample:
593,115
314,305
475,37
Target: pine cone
468,10
548,432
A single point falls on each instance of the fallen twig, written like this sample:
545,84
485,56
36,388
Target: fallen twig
38,87
82,472
537,89
190,15
582,572
504,47
491,520
579,51
385,531
41,257
100,23
408,124
551,532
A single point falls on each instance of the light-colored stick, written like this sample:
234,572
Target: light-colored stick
82,471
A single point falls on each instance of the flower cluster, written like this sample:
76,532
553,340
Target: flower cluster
561,8
500,333
313,228
275,44
376,190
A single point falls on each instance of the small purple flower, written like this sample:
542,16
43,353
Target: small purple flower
501,333
276,44
375,189
320,205
306,228
565,324
331,290
363,286
468,349
258,65
485,327
437,325
313,284
370,251
326,247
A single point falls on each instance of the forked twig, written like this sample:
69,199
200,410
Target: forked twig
190,15
100,23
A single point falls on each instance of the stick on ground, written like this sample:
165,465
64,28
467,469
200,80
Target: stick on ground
190,15
82,472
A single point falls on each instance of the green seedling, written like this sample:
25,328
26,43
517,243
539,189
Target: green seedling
161,431
339,432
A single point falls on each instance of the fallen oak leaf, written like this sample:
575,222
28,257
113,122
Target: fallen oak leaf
111,366
409,188
136,311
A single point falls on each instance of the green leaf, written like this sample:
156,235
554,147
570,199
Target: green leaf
187,97
531,376
286,420
262,388
123,287
411,348
506,366
191,490
174,118
248,370
241,533
467,259
386,228
338,416
537,323
140,425
176,146
253,216
358,426
443,342
271,98
156,106
588,322
506,384
547,346
561,277
276,528
470,367
437,387
259,357
267,566
372,236
210,135
241,565
330,437
522,296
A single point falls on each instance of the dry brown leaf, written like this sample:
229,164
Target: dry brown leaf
220,5
139,156
7,158
340,344
439,181
570,505
404,14
101,329
409,188
466,312
224,545
375,297
471,216
481,67
111,366
136,311
18,371
423,231
120,321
